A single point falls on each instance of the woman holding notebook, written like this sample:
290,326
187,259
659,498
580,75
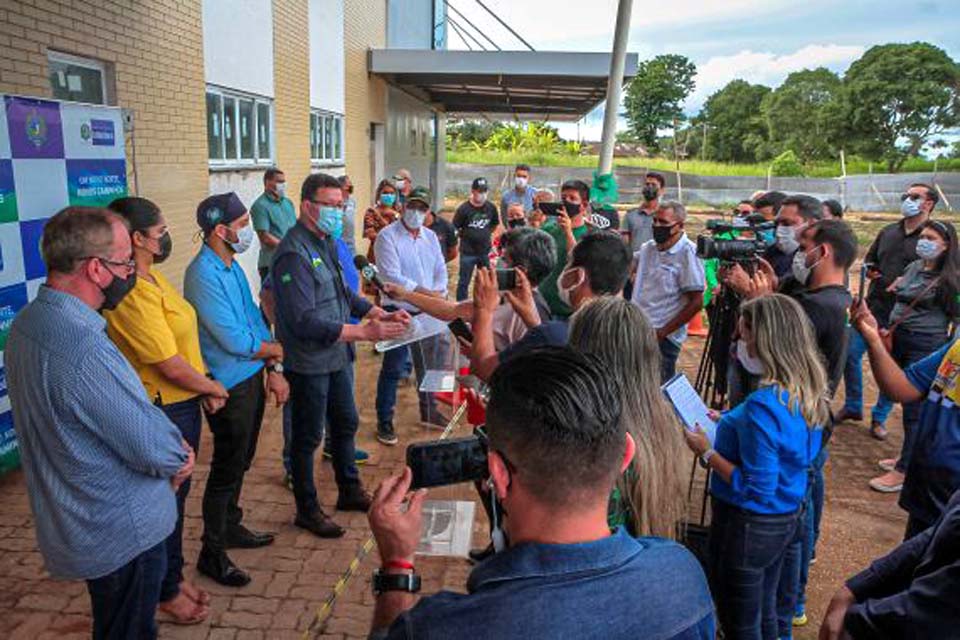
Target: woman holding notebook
759,460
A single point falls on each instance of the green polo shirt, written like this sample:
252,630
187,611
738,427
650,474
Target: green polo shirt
274,216
548,287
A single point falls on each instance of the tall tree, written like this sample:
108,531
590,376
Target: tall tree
896,97
800,114
736,128
655,96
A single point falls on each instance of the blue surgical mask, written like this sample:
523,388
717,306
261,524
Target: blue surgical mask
388,199
928,249
910,208
330,221
244,239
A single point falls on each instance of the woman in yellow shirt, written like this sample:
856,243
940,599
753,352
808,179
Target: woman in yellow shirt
156,329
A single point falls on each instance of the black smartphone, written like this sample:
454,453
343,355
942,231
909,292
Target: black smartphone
864,270
506,279
460,329
552,208
443,462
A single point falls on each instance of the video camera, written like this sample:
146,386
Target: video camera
742,241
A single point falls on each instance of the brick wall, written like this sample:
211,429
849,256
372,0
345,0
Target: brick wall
291,84
365,96
155,50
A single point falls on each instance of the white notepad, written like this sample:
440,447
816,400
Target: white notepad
689,405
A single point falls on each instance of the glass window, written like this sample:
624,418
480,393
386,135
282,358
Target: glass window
314,136
230,127
245,125
77,79
337,139
214,127
263,131
328,138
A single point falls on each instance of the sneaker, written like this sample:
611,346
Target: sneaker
359,455
846,415
386,435
877,430
319,524
887,464
353,497
890,482
800,618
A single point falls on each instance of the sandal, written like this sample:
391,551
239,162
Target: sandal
194,592
181,610
878,431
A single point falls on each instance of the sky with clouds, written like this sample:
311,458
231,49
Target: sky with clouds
761,41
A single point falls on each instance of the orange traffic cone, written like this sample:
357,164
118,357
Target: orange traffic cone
696,327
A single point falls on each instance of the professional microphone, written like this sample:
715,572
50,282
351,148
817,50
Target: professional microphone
368,271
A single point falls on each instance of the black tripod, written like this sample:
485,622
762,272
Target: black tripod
711,381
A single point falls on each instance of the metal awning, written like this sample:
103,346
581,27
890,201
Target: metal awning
544,85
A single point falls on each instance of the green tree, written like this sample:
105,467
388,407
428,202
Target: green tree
736,129
655,96
801,114
896,97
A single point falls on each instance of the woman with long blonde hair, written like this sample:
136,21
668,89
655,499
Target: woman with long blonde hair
649,498
760,461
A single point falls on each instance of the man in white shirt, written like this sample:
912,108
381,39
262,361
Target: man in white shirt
669,283
408,254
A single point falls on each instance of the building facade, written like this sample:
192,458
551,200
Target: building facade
220,90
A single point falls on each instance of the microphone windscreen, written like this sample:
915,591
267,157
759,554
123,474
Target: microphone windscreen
360,261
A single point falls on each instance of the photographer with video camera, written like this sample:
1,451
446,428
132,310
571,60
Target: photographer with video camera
760,461
556,445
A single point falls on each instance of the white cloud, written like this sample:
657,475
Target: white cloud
767,68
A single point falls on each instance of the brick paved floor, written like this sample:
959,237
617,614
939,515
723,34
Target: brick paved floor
293,577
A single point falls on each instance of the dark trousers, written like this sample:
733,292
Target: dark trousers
124,602
467,265
236,428
746,553
669,352
186,415
318,400
909,347
915,526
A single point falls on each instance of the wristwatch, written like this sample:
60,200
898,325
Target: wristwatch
706,455
406,582
275,368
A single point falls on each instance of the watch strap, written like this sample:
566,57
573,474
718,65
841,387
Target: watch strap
406,582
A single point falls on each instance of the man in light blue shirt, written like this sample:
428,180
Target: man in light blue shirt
236,344
521,196
409,254
101,462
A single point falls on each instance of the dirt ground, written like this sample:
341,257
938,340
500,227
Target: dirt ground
294,576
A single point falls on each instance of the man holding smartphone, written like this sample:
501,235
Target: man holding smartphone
566,229
477,223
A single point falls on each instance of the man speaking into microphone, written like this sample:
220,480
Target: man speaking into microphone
313,309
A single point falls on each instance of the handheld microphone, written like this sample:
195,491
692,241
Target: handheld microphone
368,271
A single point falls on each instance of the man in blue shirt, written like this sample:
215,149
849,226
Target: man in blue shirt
313,310
236,344
556,447
101,462
520,197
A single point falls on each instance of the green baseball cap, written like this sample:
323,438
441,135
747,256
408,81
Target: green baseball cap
420,193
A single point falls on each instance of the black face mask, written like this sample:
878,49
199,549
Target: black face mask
166,247
662,235
516,222
650,192
117,290
571,207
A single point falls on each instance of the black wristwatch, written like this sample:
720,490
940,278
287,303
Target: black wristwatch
275,368
407,582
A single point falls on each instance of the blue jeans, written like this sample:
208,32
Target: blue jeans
396,367
909,347
746,554
853,381
318,400
186,415
124,602
669,352
467,265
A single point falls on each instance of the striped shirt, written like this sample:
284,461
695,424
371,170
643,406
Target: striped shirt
97,455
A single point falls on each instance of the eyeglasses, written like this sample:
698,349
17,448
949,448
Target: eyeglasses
324,204
911,196
124,264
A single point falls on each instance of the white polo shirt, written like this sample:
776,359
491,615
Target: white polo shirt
662,279
410,261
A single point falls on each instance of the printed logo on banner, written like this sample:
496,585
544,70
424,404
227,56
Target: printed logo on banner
34,128
12,299
31,232
98,132
96,183
8,194
9,453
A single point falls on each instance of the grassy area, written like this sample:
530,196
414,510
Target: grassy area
704,168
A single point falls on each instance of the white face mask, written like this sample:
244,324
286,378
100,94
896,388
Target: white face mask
801,272
401,185
910,208
282,189
414,218
564,292
787,238
521,182
479,198
752,364
244,239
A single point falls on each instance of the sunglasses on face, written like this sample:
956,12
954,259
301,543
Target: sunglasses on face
911,196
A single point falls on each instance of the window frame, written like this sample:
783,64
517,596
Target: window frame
87,63
236,161
319,120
